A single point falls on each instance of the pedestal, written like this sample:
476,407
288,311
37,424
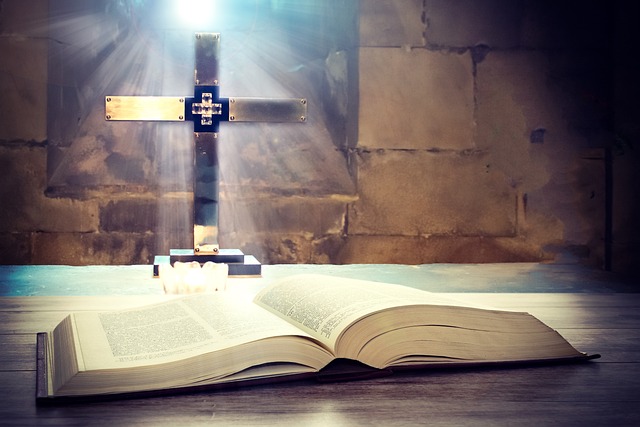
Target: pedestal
239,263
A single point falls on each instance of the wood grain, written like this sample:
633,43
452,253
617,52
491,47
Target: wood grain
601,392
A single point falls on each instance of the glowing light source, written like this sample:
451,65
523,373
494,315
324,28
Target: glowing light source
197,14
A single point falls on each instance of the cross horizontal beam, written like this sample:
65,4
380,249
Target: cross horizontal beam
180,108
267,110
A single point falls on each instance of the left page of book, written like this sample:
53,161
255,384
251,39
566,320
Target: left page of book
207,337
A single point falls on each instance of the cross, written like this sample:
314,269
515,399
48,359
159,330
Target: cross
206,109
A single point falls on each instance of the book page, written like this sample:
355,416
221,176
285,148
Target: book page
325,306
173,330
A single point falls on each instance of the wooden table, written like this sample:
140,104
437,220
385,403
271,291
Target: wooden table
597,320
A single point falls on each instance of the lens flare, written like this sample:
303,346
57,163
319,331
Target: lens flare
197,14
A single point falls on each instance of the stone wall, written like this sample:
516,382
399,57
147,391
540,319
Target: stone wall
442,131
482,129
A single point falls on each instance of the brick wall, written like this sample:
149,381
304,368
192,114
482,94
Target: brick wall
441,131
481,136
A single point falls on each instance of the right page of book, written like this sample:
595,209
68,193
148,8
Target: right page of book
386,325
324,306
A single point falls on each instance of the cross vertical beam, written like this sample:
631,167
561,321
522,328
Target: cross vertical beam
206,109
206,192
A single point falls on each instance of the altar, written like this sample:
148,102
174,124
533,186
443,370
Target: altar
593,310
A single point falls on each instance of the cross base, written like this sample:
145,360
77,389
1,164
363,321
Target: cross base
239,263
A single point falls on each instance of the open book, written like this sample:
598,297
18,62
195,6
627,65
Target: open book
291,329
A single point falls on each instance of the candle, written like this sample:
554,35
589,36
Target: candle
189,277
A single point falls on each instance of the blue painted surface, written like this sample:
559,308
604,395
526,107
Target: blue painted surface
55,280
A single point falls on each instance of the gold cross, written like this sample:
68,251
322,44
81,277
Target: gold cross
206,110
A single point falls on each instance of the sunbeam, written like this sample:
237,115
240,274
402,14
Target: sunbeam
147,48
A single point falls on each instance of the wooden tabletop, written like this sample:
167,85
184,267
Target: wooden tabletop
601,392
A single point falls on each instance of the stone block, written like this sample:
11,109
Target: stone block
340,94
23,70
24,204
542,98
414,193
284,215
467,23
148,214
391,23
626,203
275,230
330,249
93,248
173,226
165,240
24,18
514,103
415,99
271,248
434,249
540,136
129,215
23,84
15,248
283,158
286,249
281,230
